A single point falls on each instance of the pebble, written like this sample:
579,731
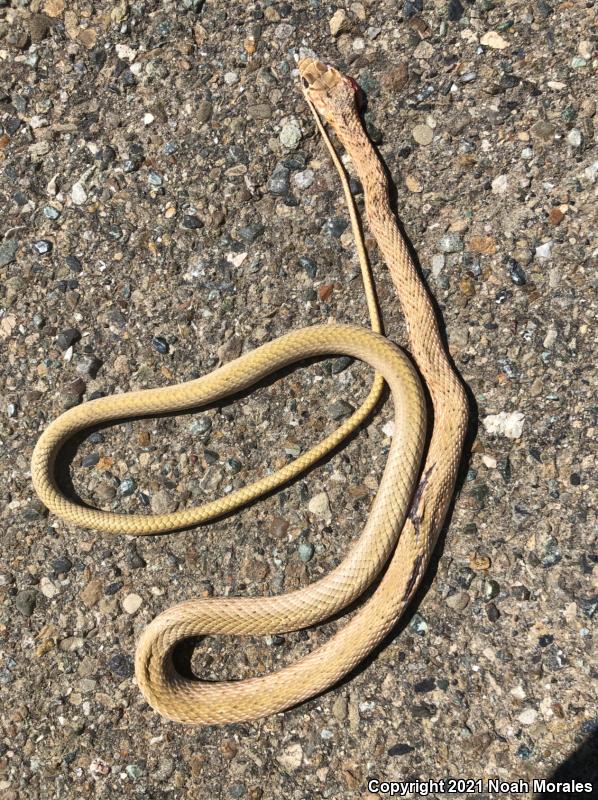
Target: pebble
26,601
160,345
291,757
455,10
500,184
543,252
319,505
155,179
515,272
306,551
121,665
591,172
419,625
260,111
437,264
451,243
413,184
192,222
309,266
88,365
91,460
92,593
67,338
47,588
201,426
339,410
458,601
340,364
134,771
423,134
575,138
42,247
400,749
62,565
335,227
162,503
127,487
51,213
494,40
132,603
304,179
78,194
252,232
290,135
505,424
8,252
412,7
528,716
490,589
279,182
204,111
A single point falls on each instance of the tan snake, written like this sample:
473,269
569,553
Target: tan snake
407,513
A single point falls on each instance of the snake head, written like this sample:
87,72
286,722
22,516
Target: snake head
330,92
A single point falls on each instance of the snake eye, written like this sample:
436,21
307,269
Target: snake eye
305,83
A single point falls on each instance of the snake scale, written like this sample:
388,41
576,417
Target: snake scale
407,513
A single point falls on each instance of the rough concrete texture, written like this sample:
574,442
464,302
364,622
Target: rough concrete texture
166,205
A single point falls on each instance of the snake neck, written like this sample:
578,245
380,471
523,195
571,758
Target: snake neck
426,344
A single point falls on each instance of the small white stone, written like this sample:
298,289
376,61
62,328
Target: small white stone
236,259
543,252
290,135
422,134
132,603
519,692
500,184
591,172
304,179
574,137
489,462
358,45
528,717
494,40
230,78
78,194
125,52
437,264
389,429
505,424
38,122
47,588
319,505
148,118
291,757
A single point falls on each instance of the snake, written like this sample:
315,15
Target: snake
390,557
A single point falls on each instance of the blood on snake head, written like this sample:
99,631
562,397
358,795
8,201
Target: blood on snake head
331,92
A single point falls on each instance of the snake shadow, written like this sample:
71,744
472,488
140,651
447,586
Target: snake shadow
580,765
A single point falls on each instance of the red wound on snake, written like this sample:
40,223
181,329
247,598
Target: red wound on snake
359,93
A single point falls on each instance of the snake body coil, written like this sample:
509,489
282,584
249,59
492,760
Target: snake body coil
408,510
